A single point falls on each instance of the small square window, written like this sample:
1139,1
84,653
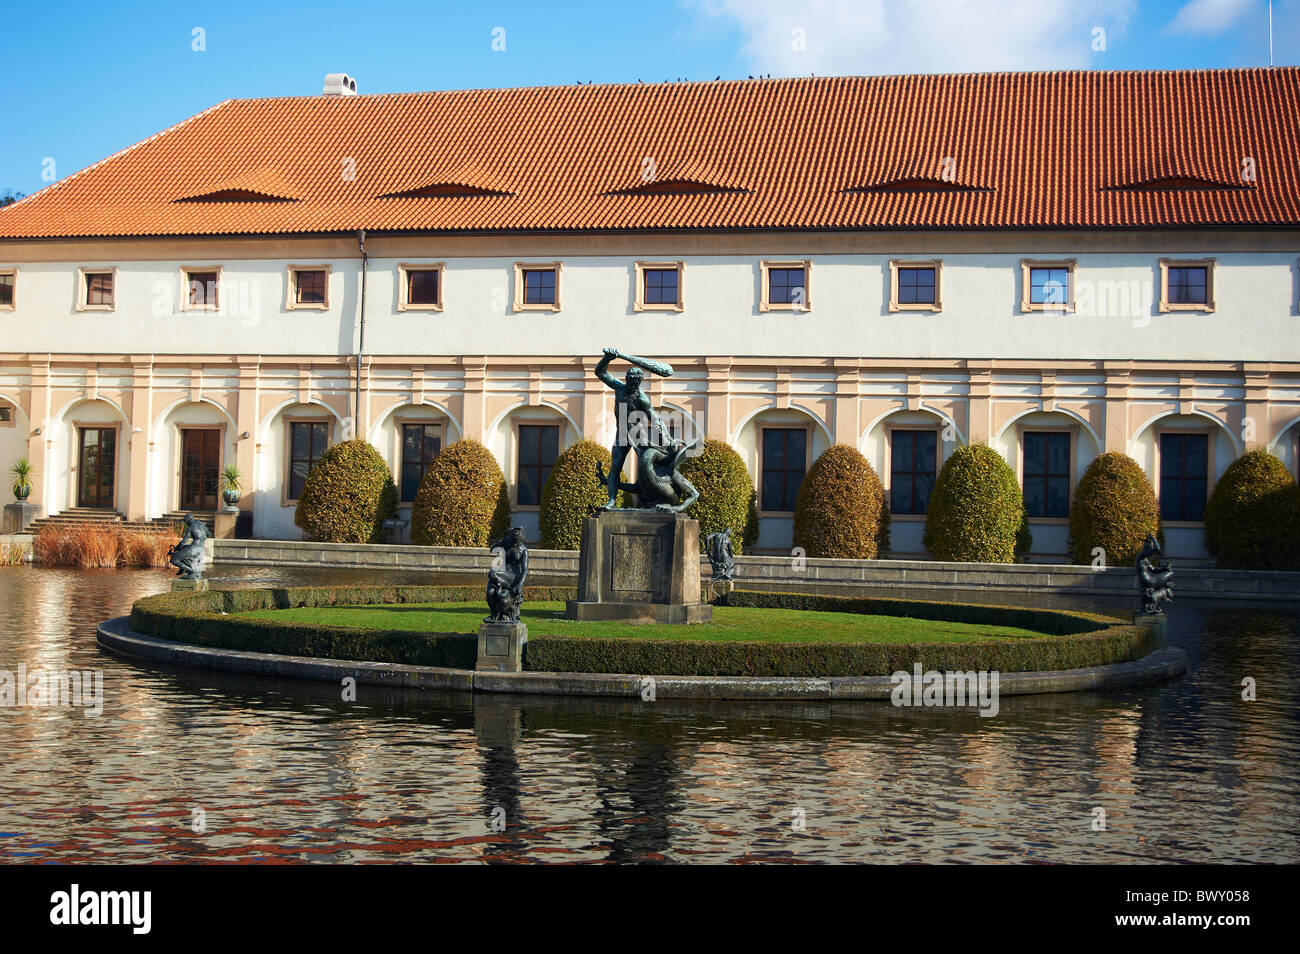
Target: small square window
99,289
422,287
6,414
539,286
1049,286
786,286
661,286
916,286
310,286
202,288
1187,286
7,289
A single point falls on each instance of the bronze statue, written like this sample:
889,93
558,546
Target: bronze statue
1154,578
659,485
188,557
718,547
505,586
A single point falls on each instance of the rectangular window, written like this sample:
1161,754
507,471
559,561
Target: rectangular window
913,464
916,286
1049,286
786,286
1184,475
201,289
99,289
785,459
1187,286
661,286
539,286
307,442
6,414
310,286
1046,473
7,280
539,446
422,287
420,445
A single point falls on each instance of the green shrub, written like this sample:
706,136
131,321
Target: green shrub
727,495
347,495
462,500
882,538
1252,520
1114,508
837,509
573,491
977,512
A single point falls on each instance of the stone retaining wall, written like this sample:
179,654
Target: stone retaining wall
782,573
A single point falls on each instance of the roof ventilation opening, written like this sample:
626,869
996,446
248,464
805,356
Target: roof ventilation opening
340,84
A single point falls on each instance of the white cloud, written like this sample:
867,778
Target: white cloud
1209,17
919,36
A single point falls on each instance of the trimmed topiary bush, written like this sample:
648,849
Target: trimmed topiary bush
1114,508
573,491
1252,520
462,500
977,511
837,509
347,495
727,495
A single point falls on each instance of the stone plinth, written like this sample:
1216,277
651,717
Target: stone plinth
223,524
19,516
501,647
1158,625
639,566
189,586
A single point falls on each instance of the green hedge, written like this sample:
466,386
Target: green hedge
1081,640
573,492
1114,508
462,500
347,495
727,495
197,618
1252,519
837,511
1076,639
977,511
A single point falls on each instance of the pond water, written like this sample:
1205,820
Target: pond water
286,770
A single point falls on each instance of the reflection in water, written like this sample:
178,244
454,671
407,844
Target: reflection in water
285,770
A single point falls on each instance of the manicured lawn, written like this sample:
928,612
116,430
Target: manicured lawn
730,624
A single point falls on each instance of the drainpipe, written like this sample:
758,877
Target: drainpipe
361,341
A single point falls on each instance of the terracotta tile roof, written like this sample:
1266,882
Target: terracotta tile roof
1091,149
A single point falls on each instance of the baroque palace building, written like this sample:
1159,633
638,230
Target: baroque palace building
1058,264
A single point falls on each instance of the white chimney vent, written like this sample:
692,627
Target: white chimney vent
340,84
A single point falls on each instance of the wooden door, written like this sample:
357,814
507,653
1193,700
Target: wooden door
96,466
200,467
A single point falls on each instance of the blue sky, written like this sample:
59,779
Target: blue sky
97,77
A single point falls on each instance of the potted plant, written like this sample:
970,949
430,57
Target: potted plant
231,489
22,472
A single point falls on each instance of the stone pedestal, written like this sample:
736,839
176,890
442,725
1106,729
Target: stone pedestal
223,524
639,566
501,647
19,516
189,586
1158,624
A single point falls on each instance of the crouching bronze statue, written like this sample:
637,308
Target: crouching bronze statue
1154,578
505,586
187,554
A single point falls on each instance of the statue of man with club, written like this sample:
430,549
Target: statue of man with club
639,429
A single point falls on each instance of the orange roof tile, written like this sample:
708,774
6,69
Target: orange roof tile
1082,148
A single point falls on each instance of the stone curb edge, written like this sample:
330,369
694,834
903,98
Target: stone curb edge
116,634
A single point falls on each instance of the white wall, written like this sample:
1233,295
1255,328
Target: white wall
1255,318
